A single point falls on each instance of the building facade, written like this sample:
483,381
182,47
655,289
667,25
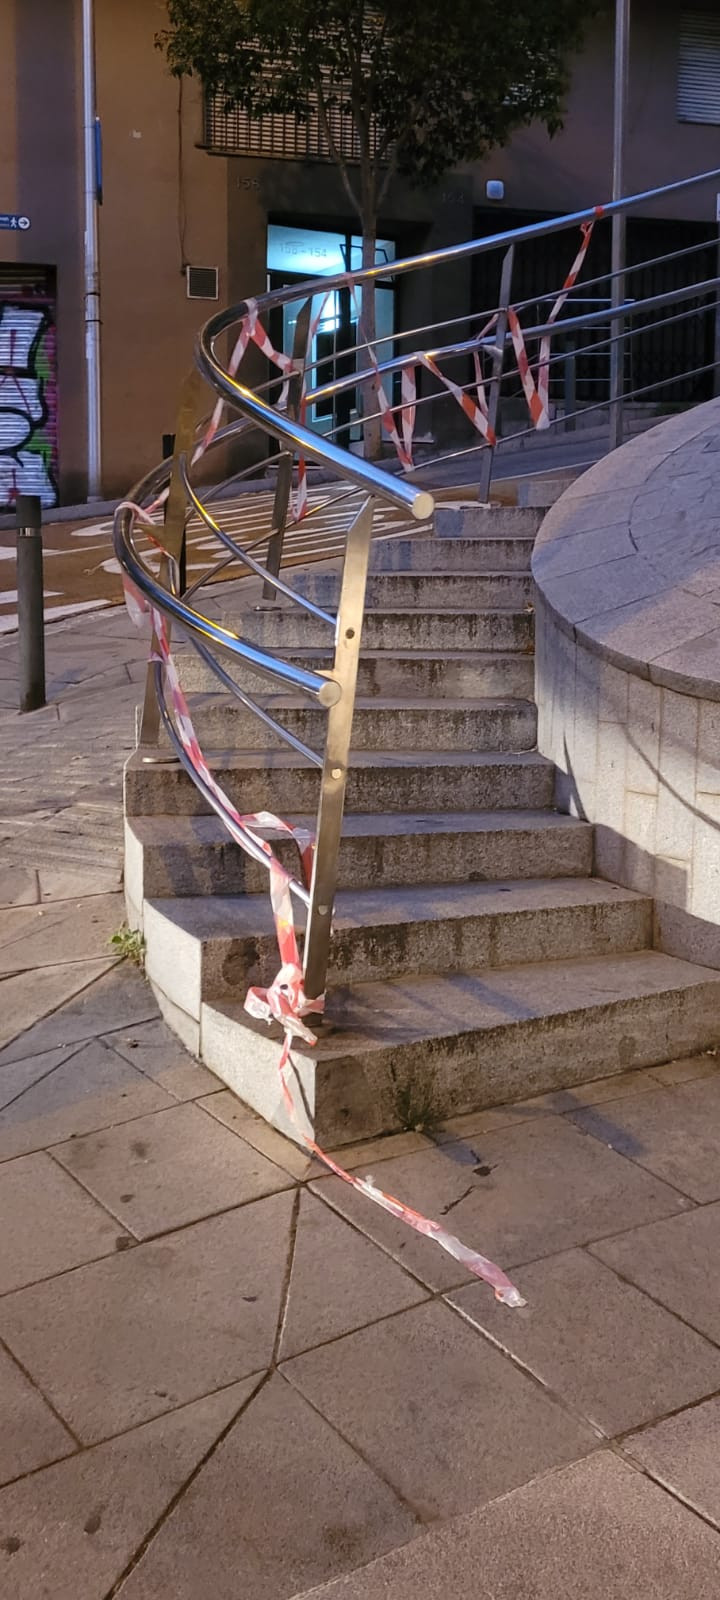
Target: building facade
181,191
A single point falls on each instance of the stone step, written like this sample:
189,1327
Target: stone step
379,723
453,674
540,491
468,519
446,555
401,590
285,628
214,947
417,1050
377,781
171,855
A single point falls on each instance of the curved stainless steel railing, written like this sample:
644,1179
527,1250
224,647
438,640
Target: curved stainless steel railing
410,377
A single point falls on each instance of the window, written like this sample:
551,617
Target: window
699,67
230,131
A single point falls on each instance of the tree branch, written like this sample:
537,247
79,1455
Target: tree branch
334,148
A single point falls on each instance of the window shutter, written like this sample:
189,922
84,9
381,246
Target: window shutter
699,67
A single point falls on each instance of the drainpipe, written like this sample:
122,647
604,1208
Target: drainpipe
91,263
617,253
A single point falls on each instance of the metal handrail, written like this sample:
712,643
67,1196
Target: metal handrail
275,409
224,320
319,686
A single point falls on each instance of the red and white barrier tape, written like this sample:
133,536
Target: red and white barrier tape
538,395
284,1000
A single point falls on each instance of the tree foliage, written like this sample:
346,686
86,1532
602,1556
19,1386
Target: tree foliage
428,86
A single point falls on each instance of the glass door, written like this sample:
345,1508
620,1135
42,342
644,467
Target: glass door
293,256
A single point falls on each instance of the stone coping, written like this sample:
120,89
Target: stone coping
628,560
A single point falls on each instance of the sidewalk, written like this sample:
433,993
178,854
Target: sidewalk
224,1374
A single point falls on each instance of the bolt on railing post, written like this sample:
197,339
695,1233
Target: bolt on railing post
487,459
283,487
337,747
31,619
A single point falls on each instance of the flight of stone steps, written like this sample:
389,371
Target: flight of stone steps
475,957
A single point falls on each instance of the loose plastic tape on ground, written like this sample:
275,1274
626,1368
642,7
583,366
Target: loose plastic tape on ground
284,1001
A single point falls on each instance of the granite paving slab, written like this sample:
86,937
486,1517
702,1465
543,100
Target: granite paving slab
117,1343
427,1402
608,1349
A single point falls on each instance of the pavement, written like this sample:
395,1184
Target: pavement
225,1374
81,573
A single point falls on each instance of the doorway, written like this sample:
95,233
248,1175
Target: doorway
295,254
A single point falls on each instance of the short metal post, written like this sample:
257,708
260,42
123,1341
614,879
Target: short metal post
351,611
31,620
487,459
570,391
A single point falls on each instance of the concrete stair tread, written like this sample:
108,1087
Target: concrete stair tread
207,917
314,652
225,758
380,1016
314,572
208,829
429,705
282,607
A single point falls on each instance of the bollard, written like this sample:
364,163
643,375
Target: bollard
31,621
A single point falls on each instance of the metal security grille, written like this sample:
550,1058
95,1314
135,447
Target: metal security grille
230,131
28,385
699,67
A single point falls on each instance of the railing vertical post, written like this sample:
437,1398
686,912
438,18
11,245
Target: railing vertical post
570,391
618,225
283,487
716,345
487,459
173,536
31,620
337,747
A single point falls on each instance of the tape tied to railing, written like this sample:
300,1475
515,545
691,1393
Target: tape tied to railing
537,395
284,1000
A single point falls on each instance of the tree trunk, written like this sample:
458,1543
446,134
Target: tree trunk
372,425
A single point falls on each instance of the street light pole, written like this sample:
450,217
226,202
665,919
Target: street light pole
91,264
617,254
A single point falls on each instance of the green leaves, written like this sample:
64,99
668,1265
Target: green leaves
429,86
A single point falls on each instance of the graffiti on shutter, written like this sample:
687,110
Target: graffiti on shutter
28,391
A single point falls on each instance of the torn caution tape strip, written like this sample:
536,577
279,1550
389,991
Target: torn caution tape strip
538,395
284,1000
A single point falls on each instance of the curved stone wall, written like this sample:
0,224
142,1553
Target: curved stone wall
627,572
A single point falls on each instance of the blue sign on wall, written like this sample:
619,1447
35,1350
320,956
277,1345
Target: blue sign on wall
12,219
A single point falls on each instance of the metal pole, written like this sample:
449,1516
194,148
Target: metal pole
487,459
570,394
351,610
31,621
716,348
617,261
92,267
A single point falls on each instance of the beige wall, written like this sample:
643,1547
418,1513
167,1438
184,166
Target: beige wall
148,322
575,168
40,136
